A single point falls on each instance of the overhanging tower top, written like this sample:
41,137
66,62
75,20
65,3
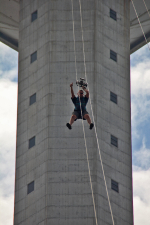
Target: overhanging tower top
137,39
9,23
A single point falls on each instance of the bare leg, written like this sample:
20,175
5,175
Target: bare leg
72,119
87,117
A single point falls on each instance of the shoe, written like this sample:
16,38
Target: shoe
91,126
69,126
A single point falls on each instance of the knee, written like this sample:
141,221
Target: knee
74,117
86,116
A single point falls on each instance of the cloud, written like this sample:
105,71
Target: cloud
8,63
140,85
142,157
141,212
140,78
6,210
141,185
141,55
141,199
8,100
140,105
10,74
5,50
140,98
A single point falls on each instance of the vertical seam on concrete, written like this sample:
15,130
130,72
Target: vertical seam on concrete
80,101
95,132
95,77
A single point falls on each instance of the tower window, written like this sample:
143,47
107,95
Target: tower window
31,142
113,55
32,99
114,186
113,97
30,187
34,16
114,141
33,57
113,14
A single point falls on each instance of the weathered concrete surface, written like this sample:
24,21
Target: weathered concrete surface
57,163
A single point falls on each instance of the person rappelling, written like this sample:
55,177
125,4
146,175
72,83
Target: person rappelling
80,102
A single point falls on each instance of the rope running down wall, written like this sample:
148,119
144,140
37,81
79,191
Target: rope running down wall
82,122
94,120
140,23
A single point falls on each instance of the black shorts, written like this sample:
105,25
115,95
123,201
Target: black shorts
78,114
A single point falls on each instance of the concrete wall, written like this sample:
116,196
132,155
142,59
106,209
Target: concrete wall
57,163
114,119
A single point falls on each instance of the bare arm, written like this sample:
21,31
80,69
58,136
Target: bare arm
87,92
72,92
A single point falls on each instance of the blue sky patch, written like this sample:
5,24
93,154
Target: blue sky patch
141,55
8,63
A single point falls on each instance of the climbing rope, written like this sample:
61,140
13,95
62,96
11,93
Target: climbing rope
140,23
74,42
94,119
82,121
146,8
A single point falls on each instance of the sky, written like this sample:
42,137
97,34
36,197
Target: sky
140,116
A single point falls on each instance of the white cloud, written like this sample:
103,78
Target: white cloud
5,50
142,157
141,186
6,210
11,74
140,95
141,199
140,79
8,100
141,55
140,105
8,62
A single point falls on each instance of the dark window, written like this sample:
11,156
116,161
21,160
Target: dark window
113,55
30,187
33,57
114,141
32,99
113,97
31,142
114,186
33,16
113,14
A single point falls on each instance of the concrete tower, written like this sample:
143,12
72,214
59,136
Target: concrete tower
52,178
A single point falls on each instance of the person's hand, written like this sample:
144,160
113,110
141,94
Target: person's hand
71,85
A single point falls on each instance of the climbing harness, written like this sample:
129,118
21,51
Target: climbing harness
93,121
